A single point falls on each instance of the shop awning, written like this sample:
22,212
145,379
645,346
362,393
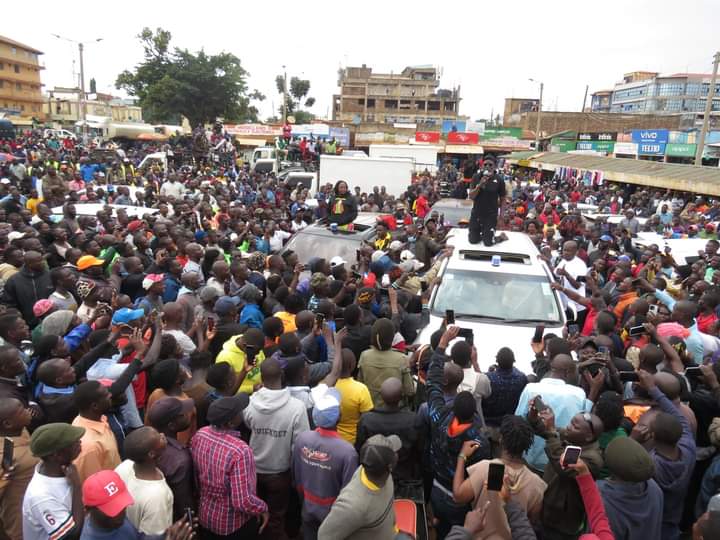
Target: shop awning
703,180
251,142
463,149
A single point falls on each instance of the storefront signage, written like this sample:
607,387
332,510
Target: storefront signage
599,136
427,136
561,145
463,137
680,150
650,136
651,149
597,146
495,133
244,130
477,127
626,148
341,135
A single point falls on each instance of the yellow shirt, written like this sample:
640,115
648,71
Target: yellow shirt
31,205
355,400
288,320
99,448
236,358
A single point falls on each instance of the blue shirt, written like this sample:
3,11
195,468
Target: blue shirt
694,341
252,316
565,401
126,531
88,171
172,287
507,386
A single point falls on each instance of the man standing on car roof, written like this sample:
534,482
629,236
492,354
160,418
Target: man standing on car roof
487,190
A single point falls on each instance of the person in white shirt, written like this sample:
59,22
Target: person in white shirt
172,188
52,507
277,238
152,511
570,268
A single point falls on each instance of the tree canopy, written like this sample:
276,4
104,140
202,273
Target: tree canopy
297,92
174,82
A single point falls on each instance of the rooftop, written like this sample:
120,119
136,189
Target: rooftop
14,43
703,180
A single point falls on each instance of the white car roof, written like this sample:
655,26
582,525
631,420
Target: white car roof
519,252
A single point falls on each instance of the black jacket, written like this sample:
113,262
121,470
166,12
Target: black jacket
349,209
25,288
357,339
446,443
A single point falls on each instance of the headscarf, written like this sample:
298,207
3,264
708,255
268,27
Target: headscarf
57,323
84,287
256,261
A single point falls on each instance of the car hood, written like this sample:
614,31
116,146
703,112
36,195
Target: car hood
489,337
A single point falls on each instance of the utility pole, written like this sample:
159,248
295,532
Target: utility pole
284,96
587,87
539,115
83,109
708,110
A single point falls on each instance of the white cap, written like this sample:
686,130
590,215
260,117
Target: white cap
337,261
410,265
407,255
377,255
395,245
4,181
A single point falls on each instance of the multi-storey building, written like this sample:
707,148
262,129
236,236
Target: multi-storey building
412,96
20,85
653,93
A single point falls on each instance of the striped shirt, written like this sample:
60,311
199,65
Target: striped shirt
47,508
225,472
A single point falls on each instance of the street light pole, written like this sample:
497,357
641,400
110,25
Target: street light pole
284,96
539,115
708,111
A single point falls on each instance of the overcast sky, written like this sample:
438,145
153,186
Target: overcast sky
488,48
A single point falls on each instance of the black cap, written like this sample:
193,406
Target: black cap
165,410
225,409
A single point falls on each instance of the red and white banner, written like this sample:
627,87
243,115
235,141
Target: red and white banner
427,136
462,137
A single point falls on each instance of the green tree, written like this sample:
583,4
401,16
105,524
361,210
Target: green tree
201,87
296,98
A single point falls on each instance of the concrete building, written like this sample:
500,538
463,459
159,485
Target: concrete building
62,107
514,107
412,96
20,86
646,92
600,101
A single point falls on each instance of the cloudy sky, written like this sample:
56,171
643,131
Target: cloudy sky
488,48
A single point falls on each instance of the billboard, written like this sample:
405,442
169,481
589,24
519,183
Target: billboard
453,125
430,137
607,136
342,135
463,137
650,136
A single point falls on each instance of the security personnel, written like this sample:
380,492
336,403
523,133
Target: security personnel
487,190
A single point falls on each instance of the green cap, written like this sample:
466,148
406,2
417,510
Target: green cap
50,438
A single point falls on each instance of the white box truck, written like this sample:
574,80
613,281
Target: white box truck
423,156
367,172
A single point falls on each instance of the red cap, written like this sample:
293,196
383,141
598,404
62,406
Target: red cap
106,491
370,280
134,225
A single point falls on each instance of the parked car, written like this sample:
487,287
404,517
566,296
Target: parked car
318,240
455,211
59,134
501,304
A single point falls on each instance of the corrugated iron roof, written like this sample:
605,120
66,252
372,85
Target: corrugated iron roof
704,180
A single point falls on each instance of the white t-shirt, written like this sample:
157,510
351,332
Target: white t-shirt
277,239
172,189
575,267
186,344
47,507
298,226
152,511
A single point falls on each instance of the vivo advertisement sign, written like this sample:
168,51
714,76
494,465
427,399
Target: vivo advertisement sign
650,136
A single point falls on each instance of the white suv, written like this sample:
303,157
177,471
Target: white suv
501,304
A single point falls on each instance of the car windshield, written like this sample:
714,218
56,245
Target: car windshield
496,295
452,214
308,245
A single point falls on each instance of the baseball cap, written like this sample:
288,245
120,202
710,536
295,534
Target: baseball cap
41,307
326,406
369,280
225,409
134,225
606,238
377,255
224,304
166,409
395,245
49,438
126,315
151,279
208,293
86,261
406,255
318,279
410,265
107,492
374,454
337,261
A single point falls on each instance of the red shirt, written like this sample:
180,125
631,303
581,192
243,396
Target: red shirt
421,207
139,383
225,473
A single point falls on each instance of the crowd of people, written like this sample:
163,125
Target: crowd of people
176,372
